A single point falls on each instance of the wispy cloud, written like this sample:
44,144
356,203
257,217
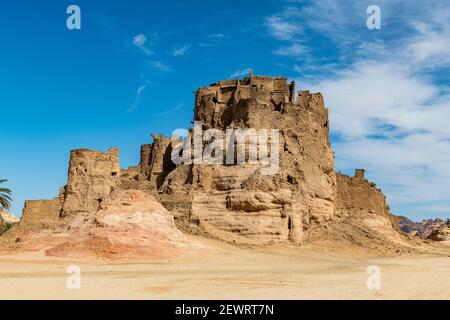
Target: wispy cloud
281,28
293,50
217,36
180,51
140,41
135,103
212,39
240,73
178,107
159,65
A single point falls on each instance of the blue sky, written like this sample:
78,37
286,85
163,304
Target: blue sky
131,70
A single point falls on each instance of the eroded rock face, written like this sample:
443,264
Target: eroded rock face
156,161
238,203
441,234
130,224
355,193
40,214
363,217
235,203
422,228
92,176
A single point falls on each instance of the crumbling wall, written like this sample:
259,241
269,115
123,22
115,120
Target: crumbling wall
92,176
40,214
363,216
356,193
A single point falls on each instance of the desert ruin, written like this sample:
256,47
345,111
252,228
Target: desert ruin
162,210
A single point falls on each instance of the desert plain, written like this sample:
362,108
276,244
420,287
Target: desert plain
222,271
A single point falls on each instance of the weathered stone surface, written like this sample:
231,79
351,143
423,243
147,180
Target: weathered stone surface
441,234
304,199
37,215
156,161
92,176
422,228
130,224
356,193
363,217
40,214
238,203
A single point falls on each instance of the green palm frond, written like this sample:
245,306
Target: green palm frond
5,196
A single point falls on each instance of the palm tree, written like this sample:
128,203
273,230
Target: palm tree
5,196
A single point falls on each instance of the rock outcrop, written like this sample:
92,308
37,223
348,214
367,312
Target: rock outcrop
93,216
363,219
422,229
41,214
92,176
281,189
440,234
239,203
128,225
357,193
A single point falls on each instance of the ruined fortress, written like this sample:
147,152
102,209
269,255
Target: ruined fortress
233,203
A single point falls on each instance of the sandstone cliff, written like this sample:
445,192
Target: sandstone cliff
302,200
363,220
238,203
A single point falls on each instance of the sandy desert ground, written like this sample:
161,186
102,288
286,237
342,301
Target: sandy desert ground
226,272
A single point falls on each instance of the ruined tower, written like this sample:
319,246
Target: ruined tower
92,176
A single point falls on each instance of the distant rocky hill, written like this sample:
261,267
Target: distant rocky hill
8,217
6,220
423,228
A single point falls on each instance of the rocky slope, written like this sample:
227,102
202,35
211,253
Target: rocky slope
421,229
128,225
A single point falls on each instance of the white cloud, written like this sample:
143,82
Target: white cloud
159,65
180,51
240,73
139,92
178,107
140,42
282,29
372,92
430,49
217,36
293,50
